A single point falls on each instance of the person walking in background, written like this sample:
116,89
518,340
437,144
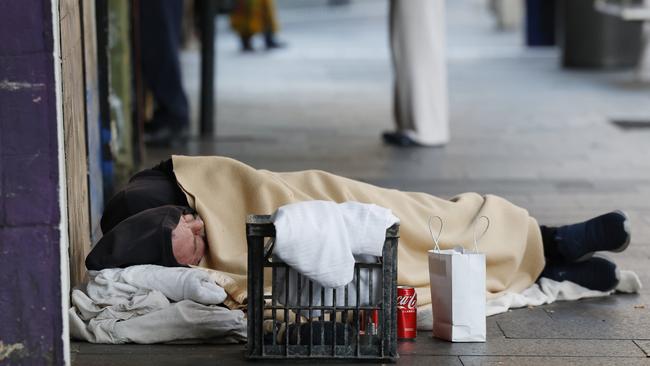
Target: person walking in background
160,40
250,17
417,42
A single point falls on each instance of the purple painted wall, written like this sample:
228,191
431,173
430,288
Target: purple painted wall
30,282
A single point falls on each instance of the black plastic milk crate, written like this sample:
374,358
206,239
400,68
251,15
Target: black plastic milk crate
351,328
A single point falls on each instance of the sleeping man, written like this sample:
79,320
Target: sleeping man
192,211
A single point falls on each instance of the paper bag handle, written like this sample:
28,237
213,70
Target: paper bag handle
436,239
476,239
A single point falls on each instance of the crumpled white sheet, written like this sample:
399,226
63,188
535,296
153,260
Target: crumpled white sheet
122,305
546,291
319,239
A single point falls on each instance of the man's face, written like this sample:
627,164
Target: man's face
188,240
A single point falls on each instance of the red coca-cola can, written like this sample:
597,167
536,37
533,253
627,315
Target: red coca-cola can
407,313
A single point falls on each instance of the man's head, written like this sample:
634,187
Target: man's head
167,236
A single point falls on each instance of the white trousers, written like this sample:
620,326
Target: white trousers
417,39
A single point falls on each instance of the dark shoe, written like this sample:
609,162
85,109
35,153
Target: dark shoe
246,44
271,42
596,273
608,232
397,138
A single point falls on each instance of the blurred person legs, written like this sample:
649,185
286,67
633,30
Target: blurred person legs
507,13
250,17
417,41
160,32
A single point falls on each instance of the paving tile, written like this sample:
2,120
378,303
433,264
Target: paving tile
143,358
429,360
217,359
197,355
644,345
499,346
545,361
584,319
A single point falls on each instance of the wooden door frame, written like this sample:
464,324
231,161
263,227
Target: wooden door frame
73,102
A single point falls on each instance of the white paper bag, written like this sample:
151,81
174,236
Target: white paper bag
457,279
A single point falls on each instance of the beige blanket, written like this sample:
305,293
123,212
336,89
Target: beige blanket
224,191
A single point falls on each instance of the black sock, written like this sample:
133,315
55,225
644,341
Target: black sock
551,252
578,242
607,232
595,273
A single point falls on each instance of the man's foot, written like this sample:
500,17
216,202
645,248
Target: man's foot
608,232
596,273
400,139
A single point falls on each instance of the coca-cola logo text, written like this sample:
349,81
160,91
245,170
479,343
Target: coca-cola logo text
407,301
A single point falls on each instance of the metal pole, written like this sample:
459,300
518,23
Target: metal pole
207,66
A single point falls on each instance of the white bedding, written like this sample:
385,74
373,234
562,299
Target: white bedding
153,304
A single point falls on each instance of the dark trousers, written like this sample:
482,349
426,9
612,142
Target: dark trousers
160,37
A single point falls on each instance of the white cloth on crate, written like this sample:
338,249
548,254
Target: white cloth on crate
122,305
319,239
546,291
